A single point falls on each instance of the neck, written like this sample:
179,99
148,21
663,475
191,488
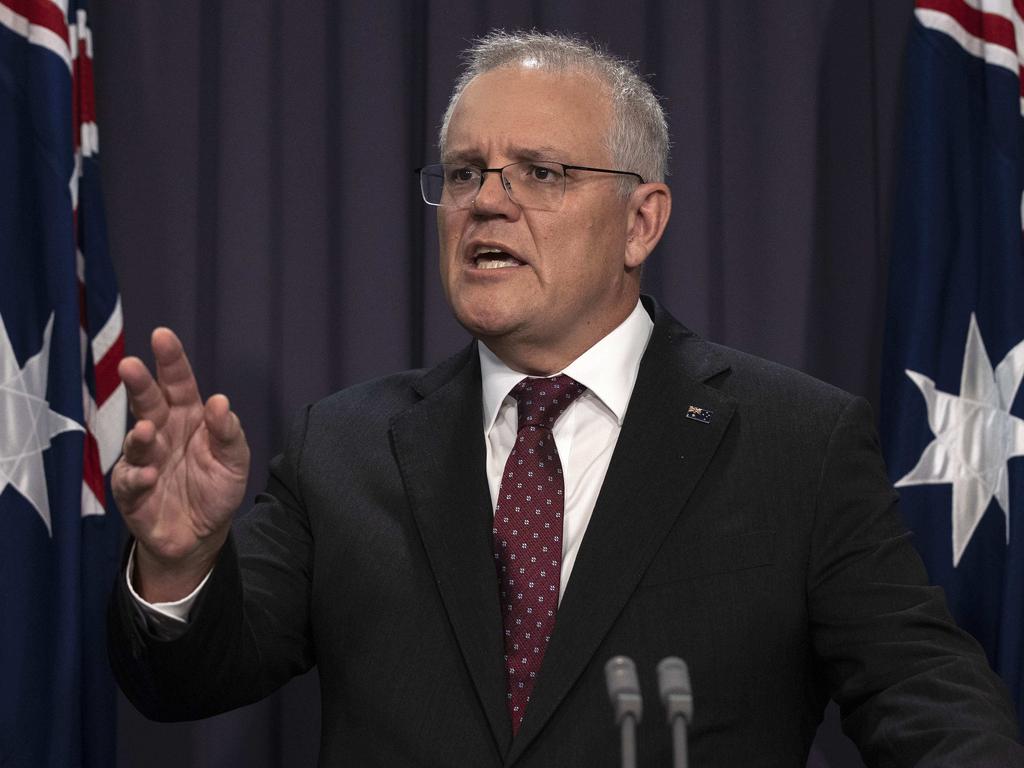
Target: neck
535,358
531,362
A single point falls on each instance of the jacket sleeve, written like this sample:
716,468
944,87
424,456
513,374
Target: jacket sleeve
913,688
248,631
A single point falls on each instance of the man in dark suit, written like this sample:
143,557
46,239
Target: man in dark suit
460,551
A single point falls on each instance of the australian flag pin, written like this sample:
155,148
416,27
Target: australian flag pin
703,415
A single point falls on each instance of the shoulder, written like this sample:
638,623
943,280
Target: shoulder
374,399
794,412
759,388
755,380
380,400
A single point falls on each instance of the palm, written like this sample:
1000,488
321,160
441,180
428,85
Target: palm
195,493
185,464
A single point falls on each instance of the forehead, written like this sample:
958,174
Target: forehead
516,110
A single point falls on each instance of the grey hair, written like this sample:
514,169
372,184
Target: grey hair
638,139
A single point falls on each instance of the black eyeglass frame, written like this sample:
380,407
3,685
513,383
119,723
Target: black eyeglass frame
505,183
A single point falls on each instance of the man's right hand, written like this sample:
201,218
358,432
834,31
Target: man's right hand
182,474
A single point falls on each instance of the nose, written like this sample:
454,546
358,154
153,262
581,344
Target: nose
492,198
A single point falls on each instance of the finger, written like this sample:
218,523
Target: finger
227,439
140,444
129,483
145,398
173,370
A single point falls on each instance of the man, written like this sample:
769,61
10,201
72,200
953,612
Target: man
460,551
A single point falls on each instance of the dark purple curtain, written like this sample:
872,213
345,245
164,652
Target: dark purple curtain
257,161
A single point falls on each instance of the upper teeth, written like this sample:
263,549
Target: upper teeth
494,258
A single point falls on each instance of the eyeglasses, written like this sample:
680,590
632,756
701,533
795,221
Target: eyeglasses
536,184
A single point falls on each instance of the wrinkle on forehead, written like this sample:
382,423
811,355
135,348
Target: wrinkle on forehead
514,152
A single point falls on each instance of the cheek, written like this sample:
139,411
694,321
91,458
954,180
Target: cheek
443,230
447,240
560,238
606,238
589,247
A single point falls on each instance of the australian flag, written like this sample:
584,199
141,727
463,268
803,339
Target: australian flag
951,416
62,409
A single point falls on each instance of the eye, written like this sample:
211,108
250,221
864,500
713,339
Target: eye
544,173
461,174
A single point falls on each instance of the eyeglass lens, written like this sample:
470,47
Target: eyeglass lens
530,184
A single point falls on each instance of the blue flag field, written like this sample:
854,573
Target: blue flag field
62,409
951,416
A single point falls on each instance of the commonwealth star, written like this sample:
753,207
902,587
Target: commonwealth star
975,436
28,423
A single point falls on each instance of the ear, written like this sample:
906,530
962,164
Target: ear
647,215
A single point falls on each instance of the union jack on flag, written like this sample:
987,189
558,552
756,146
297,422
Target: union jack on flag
952,417
62,407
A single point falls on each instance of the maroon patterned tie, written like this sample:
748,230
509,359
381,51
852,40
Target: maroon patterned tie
528,534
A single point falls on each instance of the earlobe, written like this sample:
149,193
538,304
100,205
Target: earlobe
649,210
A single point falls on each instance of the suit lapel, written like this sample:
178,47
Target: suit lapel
660,456
440,449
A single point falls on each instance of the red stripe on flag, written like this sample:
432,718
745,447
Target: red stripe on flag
92,473
105,370
989,27
76,138
42,13
84,102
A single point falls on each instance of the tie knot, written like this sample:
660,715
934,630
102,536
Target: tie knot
542,401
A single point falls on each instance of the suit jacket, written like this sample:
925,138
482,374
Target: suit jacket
762,545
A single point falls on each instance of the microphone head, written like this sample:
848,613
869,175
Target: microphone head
623,688
674,688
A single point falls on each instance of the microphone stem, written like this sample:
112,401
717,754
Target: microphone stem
628,742
679,756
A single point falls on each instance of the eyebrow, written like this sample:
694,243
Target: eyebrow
543,152
519,153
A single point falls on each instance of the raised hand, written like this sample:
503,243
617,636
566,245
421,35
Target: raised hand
182,474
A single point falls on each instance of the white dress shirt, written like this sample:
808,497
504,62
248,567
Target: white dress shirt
585,435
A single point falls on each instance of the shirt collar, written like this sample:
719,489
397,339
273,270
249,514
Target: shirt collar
608,369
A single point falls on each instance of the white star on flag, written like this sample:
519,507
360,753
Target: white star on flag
28,423
975,436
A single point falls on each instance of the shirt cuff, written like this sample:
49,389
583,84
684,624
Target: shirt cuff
166,621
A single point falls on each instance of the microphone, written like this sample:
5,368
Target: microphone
624,692
674,689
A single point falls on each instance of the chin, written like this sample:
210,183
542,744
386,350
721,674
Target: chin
486,321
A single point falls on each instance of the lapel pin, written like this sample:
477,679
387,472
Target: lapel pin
703,415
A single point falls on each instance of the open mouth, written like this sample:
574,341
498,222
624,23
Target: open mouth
494,258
